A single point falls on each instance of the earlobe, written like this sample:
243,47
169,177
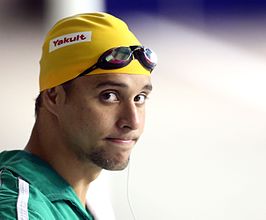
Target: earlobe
52,99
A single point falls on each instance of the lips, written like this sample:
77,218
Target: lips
122,140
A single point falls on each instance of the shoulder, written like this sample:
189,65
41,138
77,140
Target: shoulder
9,198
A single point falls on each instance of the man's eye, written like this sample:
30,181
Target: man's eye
140,99
109,97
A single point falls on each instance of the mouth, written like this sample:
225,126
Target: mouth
122,141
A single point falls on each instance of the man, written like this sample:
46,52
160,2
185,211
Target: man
94,80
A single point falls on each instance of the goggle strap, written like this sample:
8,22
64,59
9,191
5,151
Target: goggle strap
95,66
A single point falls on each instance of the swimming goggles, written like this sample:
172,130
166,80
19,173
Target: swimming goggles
119,57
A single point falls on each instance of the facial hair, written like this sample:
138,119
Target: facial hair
102,159
105,161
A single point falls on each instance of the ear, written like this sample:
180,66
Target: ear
53,98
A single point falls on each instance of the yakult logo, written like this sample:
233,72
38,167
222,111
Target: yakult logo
69,39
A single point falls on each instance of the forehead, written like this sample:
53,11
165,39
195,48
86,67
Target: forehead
126,81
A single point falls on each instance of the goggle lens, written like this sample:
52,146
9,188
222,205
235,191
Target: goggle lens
151,57
118,55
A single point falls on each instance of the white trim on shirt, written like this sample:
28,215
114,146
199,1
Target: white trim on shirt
23,198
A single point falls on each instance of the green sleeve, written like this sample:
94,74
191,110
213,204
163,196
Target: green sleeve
9,197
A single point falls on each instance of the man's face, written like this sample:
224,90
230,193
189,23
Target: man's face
103,117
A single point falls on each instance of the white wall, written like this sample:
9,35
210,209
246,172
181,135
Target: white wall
20,54
58,9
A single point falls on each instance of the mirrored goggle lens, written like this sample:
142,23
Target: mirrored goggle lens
118,55
150,57
122,56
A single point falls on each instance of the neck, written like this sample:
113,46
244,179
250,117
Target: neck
44,143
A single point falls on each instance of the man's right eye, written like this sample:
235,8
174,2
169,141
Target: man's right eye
109,97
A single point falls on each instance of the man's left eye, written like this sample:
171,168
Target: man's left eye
140,99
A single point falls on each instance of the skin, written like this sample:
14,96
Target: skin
94,127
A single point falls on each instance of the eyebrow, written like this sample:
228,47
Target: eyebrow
118,84
148,87
111,83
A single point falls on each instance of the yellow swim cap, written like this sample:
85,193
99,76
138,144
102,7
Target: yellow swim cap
75,44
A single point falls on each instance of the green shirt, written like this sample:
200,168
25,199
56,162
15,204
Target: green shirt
31,189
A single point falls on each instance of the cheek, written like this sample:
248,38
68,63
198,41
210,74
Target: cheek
84,125
142,118
143,123
97,119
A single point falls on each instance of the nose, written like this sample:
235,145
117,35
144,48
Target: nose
130,117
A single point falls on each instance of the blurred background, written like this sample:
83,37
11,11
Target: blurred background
202,156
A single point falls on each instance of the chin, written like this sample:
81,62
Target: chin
109,162
112,164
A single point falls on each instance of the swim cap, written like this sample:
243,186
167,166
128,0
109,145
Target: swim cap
75,43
